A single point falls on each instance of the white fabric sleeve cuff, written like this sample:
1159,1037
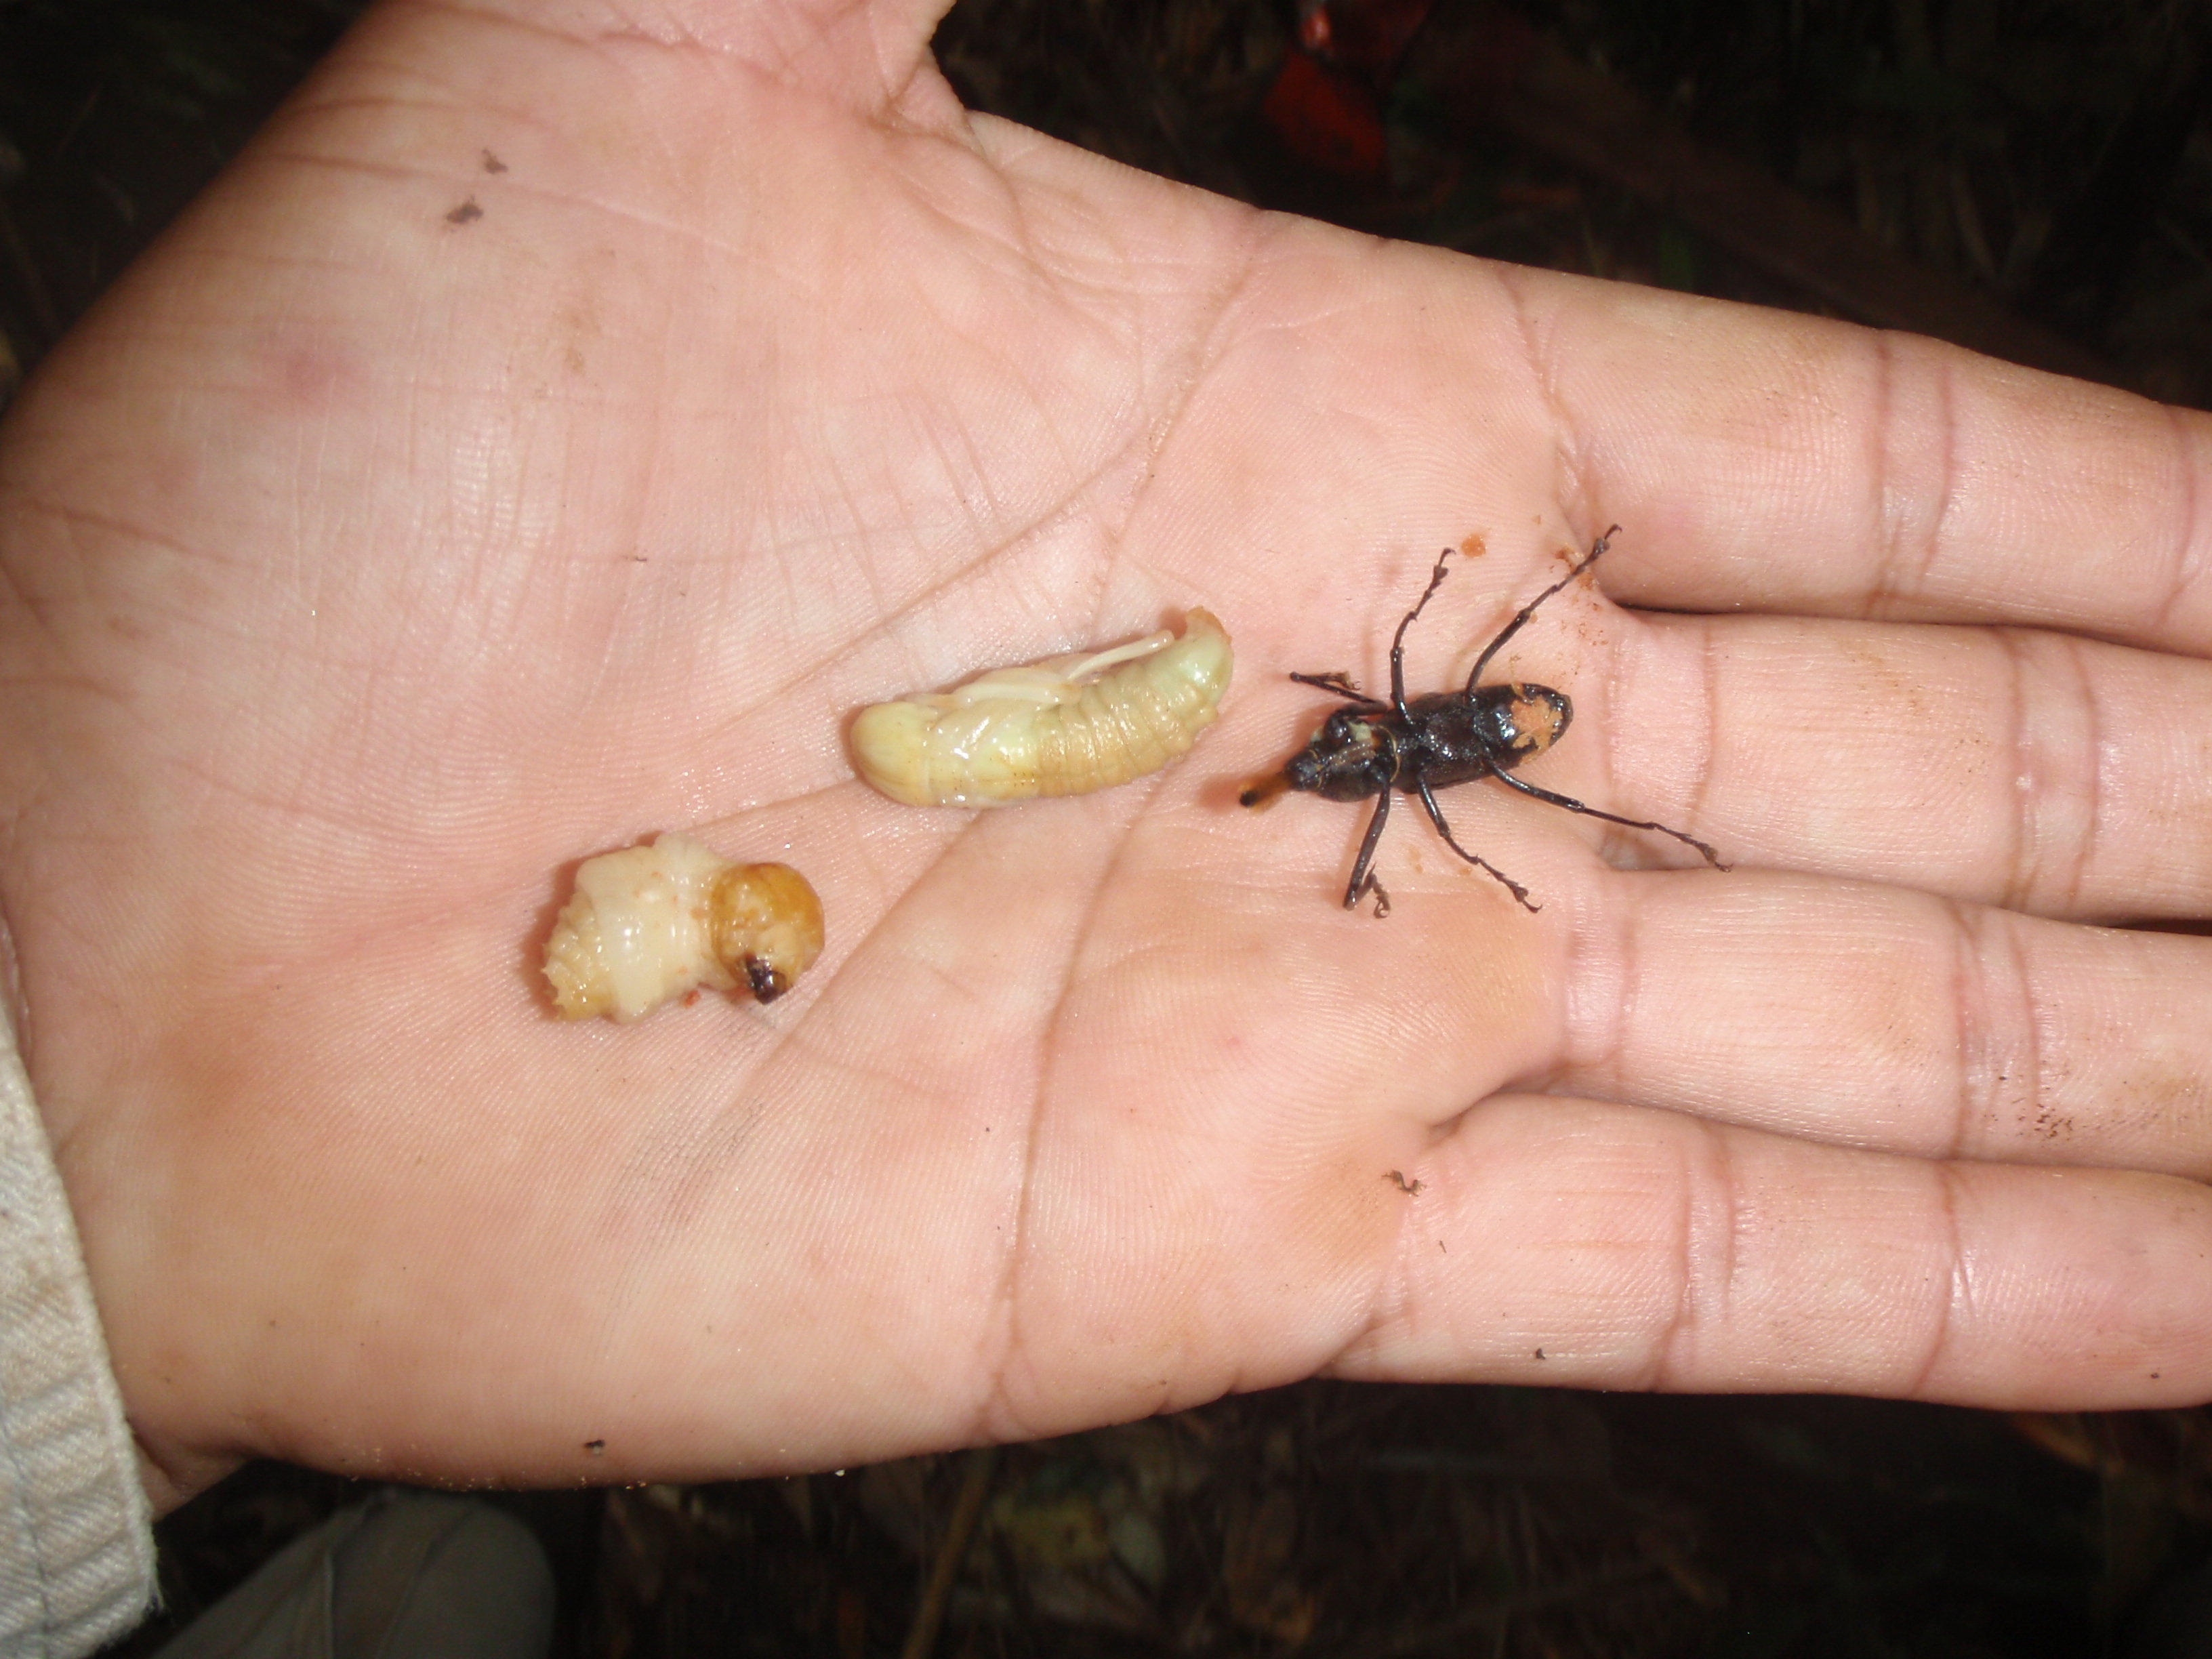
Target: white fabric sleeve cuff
77,1548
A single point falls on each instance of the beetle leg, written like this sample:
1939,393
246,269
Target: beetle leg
1573,806
1338,684
1398,641
1436,817
1361,872
1530,609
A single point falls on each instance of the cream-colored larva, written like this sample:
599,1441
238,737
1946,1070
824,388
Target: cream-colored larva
1064,726
649,923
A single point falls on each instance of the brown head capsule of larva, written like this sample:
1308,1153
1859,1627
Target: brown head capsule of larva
1064,726
650,923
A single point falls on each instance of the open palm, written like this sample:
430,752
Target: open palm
564,418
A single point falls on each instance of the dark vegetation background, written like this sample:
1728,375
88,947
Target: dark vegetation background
2033,178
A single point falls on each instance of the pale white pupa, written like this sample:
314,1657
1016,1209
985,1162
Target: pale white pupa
1064,726
649,923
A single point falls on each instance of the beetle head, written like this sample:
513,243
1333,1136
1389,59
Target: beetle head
1350,758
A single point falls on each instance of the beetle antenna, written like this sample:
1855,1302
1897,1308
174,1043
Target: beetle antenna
1530,609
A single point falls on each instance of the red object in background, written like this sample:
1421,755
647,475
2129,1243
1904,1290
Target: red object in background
1323,105
1314,31
1325,118
1359,35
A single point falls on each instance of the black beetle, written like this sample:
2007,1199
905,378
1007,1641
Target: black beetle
1368,747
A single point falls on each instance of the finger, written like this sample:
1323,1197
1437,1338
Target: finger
2033,770
1869,1015
1772,462
1559,1242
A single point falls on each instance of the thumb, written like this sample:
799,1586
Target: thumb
864,59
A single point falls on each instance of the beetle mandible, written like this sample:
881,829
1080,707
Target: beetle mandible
1368,747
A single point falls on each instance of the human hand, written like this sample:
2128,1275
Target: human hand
559,423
